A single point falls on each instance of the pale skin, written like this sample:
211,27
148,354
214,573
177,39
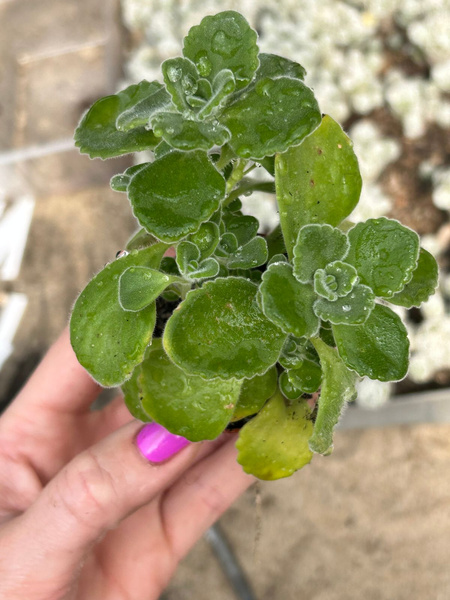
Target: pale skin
83,514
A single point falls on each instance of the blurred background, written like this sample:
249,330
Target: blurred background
373,519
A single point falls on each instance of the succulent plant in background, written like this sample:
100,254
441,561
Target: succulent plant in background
266,333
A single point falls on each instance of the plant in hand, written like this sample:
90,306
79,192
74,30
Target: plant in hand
252,325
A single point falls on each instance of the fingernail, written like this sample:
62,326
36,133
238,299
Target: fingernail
158,444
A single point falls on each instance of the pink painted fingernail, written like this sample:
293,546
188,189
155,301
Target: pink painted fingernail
158,444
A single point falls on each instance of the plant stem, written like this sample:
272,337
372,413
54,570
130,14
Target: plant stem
236,174
249,186
226,156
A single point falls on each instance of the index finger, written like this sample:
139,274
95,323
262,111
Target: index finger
59,386
45,424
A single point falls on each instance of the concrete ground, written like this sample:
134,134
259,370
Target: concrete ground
372,520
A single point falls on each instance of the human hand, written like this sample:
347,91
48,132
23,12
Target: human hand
83,514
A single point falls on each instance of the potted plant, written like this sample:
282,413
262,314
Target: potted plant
267,334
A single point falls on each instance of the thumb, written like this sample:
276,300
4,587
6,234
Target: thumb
98,489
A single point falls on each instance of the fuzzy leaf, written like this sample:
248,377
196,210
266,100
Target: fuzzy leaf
172,196
187,252
287,388
108,341
295,351
272,65
181,79
204,270
206,238
162,149
335,281
187,134
228,244
317,246
120,182
139,113
219,331
97,134
223,85
287,302
306,376
270,117
223,41
385,254
184,404
190,265
338,388
244,227
379,348
353,309
275,443
317,181
133,397
141,239
276,258
140,286
253,254
422,285
254,393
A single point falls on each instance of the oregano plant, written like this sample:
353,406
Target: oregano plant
263,333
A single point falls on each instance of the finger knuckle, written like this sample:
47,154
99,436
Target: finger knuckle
87,489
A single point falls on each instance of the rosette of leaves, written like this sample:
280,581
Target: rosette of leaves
253,325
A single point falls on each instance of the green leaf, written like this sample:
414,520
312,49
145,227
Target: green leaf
270,117
276,258
275,443
295,351
97,134
120,182
335,281
317,246
228,244
184,404
318,181
133,397
172,196
326,335
187,134
338,388
181,79
254,393
187,252
223,85
306,377
385,254
203,270
108,341
162,149
422,285
206,238
140,286
141,239
152,98
272,65
287,388
253,254
223,41
353,309
219,331
244,227
287,302
275,242
190,265
378,349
